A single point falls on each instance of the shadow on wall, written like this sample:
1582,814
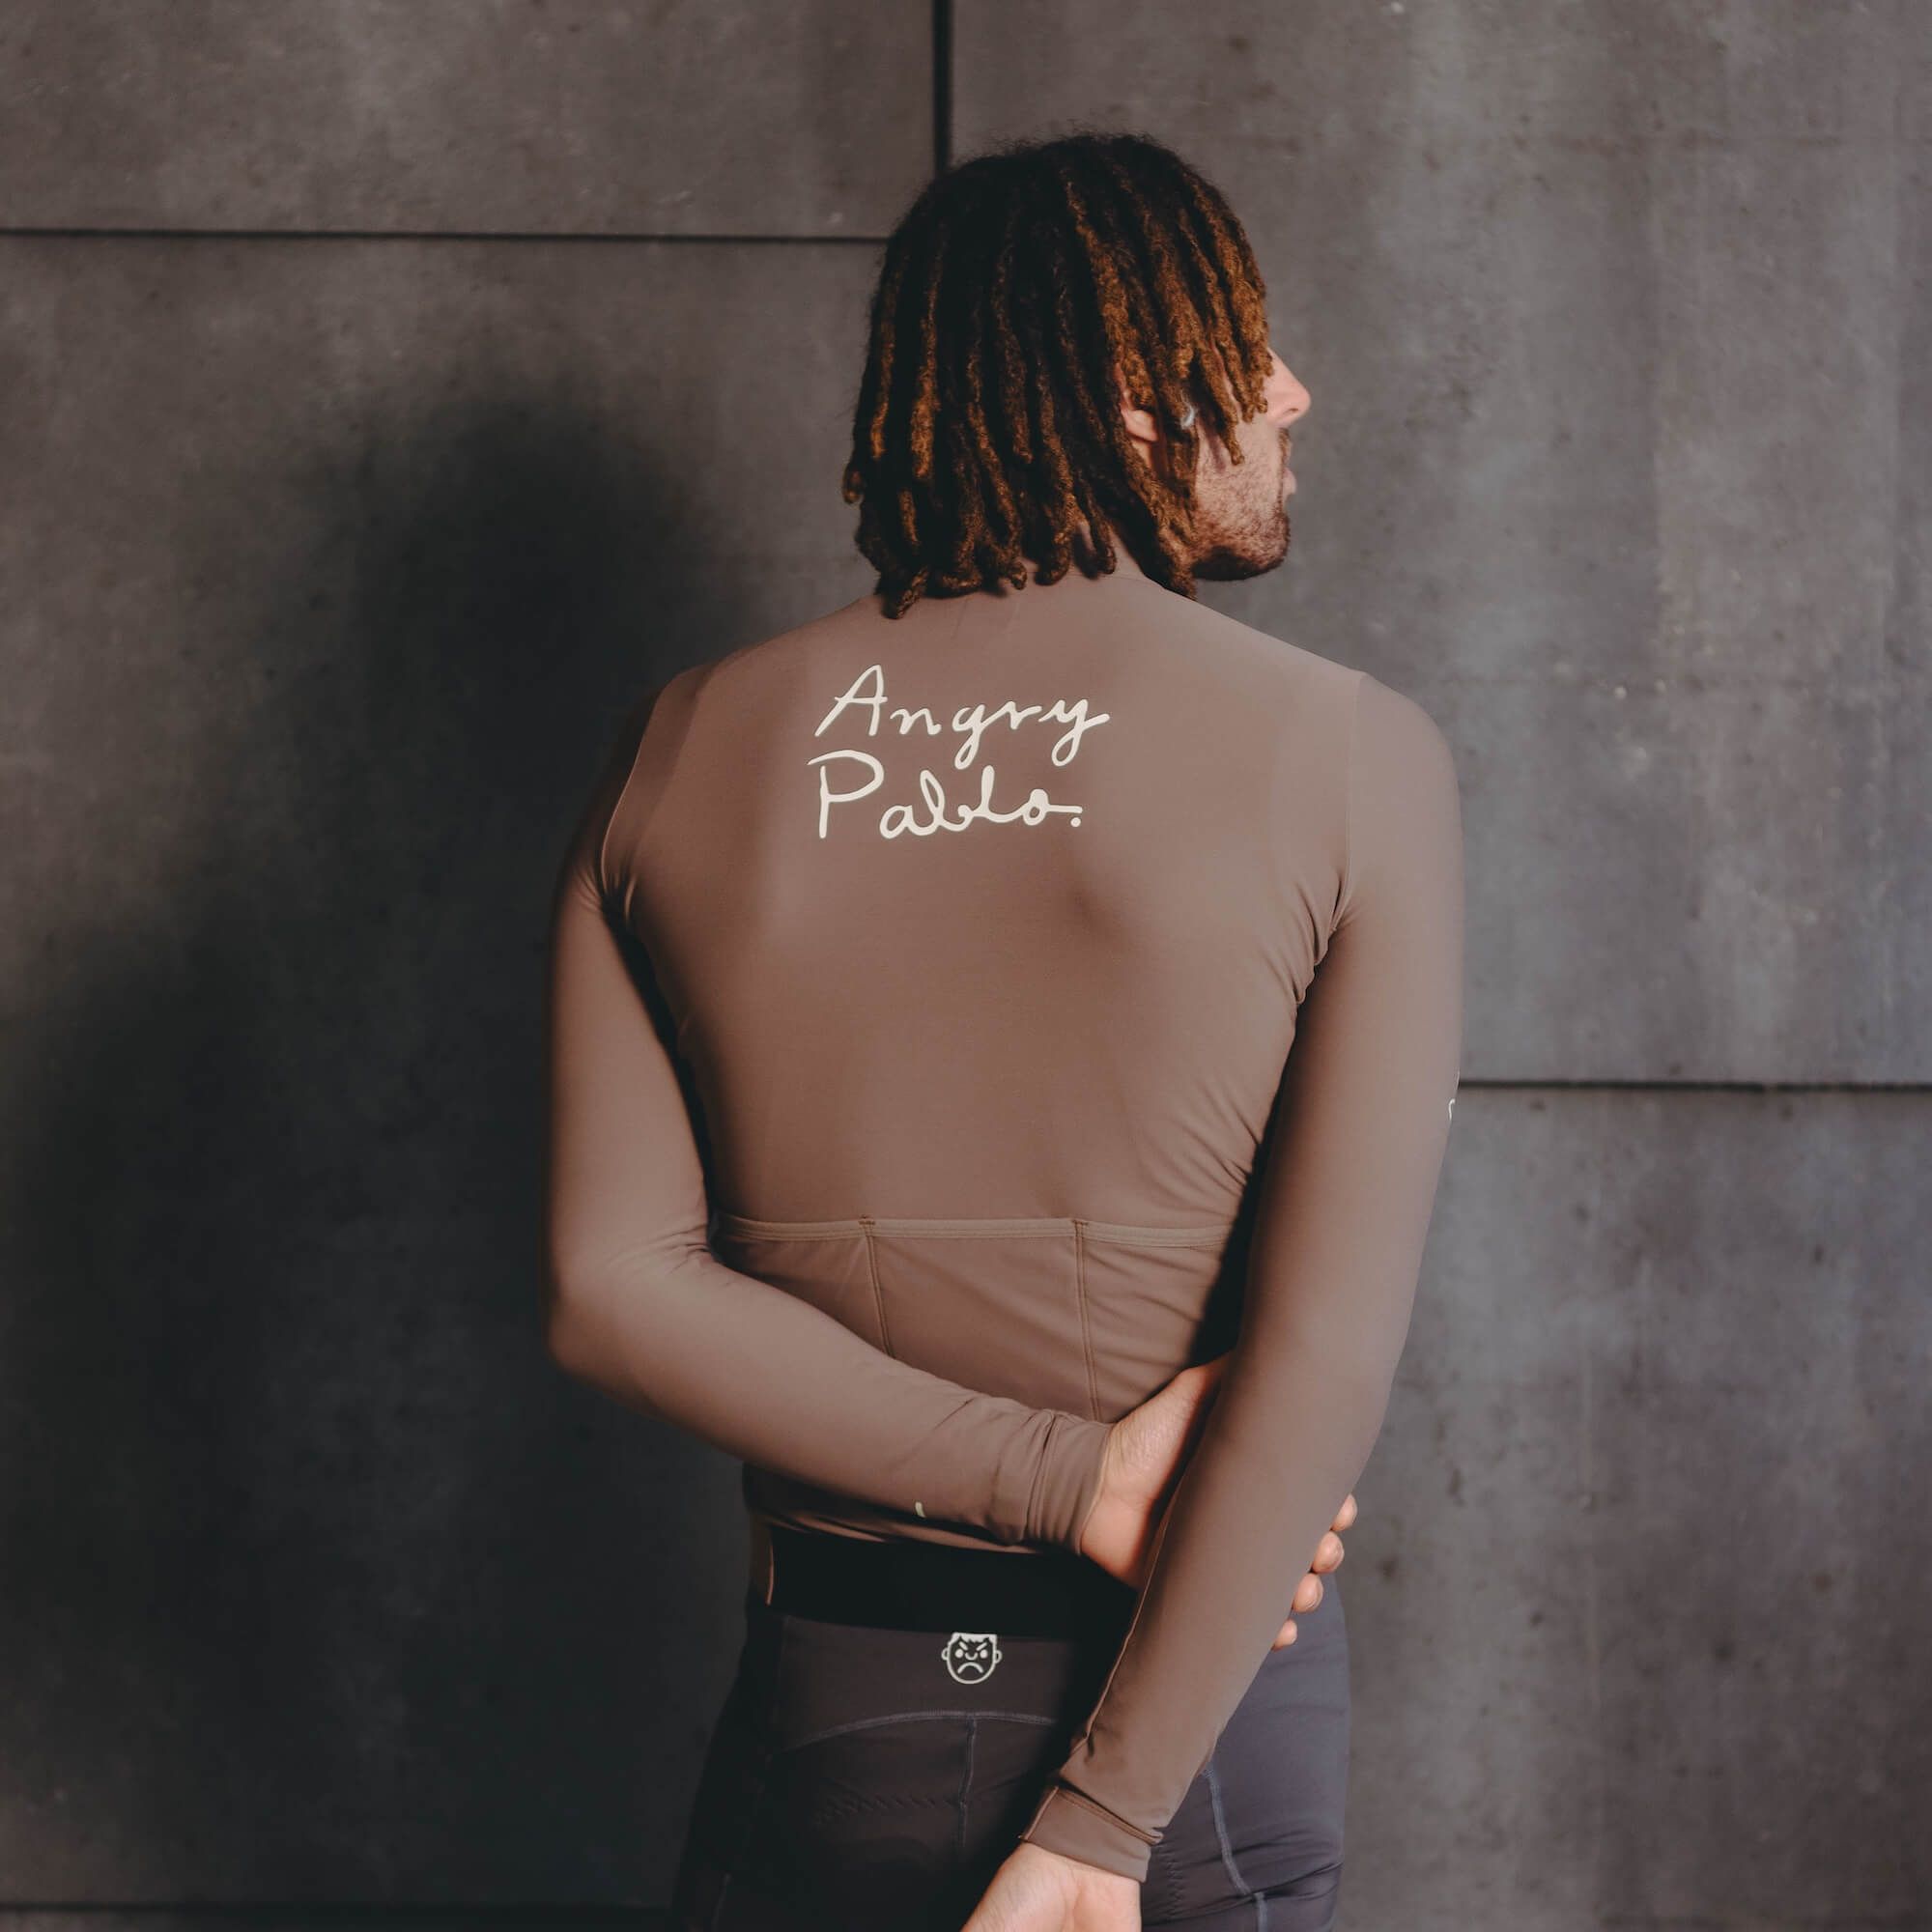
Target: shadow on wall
331,1584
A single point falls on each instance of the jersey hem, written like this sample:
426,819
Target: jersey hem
749,1227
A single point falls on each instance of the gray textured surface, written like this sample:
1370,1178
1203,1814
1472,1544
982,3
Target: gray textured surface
1615,319
765,117
1640,1591
330,567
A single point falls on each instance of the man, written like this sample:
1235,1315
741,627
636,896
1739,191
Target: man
971,1012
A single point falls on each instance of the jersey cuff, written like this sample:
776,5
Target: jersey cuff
1066,1483
1070,1823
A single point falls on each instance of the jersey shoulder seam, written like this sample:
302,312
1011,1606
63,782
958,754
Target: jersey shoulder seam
640,722
1345,901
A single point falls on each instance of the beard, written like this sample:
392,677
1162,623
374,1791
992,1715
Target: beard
1244,547
1238,530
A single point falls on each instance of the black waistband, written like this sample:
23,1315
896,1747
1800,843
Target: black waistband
902,1584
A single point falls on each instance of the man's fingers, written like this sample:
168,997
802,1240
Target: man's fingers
1347,1512
1307,1593
1284,1636
1328,1552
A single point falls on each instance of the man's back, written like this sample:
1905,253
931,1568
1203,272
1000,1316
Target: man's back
1083,1015
986,943
994,917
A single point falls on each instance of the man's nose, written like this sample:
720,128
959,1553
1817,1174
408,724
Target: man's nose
1287,399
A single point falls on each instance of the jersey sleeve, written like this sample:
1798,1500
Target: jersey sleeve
1346,1193
638,1305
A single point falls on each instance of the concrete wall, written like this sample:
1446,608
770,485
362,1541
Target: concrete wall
388,388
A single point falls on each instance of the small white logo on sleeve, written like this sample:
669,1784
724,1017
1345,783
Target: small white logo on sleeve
971,1656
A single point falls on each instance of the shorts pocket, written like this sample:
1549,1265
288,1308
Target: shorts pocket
868,1820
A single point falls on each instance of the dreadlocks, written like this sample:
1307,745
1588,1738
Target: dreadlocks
1020,290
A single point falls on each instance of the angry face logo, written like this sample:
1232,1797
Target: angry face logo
970,1657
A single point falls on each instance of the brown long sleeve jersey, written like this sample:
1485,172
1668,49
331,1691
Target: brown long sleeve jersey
922,1095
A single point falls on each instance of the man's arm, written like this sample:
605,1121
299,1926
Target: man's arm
638,1305
1344,1201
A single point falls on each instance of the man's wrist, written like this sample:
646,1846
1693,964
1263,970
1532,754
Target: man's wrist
1083,1869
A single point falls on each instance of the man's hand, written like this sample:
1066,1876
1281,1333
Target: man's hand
1147,1450
1037,1891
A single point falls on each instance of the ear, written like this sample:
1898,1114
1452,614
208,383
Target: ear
1139,422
